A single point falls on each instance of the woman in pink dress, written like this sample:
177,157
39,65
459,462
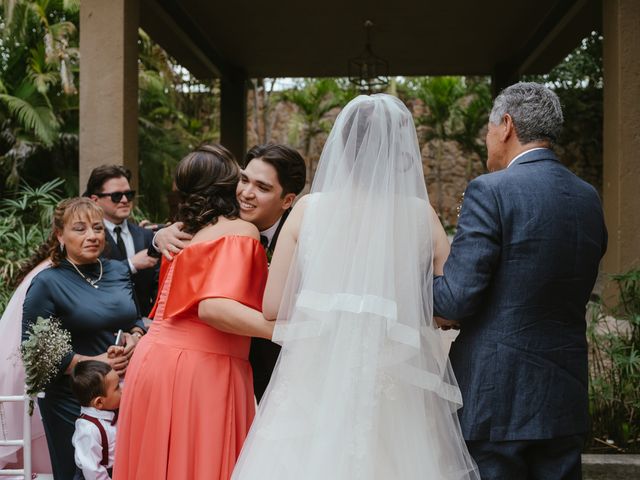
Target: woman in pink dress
12,376
188,400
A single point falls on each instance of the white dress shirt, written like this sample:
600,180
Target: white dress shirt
524,153
87,443
271,231
126,238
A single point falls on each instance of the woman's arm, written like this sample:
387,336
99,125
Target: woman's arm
441,249
231,316
281,261
39,302
441,246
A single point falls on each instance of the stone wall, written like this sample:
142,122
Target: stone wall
447,167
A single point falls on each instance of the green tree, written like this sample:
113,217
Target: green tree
315,98
440,96
175,114
471,117
38,98
578,81
25,223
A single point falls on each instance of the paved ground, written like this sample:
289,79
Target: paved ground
611,467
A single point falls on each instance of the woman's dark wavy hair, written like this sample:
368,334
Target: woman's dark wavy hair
40,255
206,181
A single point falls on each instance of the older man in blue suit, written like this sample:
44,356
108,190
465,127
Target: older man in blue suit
522,267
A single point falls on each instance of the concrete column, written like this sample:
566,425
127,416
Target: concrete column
621,166
233,115
108,85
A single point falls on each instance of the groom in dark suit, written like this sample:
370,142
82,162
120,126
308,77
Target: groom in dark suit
522,266
108,186
271,178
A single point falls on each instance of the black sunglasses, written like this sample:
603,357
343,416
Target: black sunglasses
117,196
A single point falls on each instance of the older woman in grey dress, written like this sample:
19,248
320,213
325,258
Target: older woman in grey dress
93,299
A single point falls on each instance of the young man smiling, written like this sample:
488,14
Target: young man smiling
272,176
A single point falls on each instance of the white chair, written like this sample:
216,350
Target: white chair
24,442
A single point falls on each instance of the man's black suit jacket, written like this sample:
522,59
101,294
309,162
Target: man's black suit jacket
145,281
264,353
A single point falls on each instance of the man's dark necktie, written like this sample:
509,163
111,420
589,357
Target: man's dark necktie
120,242
264,241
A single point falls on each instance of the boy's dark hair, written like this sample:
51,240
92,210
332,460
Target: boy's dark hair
101,174
87,380
289,165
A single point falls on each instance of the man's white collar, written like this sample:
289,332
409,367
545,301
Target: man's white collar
524,153
94,412
111,226
271,231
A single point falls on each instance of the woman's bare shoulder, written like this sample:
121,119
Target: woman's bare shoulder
225,227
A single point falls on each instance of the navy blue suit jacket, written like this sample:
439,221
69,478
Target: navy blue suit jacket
145,281
522,267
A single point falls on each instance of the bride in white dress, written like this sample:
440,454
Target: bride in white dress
363,388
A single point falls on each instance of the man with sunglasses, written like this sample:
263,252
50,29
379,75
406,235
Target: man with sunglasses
108,186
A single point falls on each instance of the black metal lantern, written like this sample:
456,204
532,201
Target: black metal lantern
368,71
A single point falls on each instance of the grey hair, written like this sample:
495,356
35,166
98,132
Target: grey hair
534,109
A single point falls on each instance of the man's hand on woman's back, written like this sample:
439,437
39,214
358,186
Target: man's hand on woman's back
170,240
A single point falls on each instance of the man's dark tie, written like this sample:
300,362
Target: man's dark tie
264,241
120,242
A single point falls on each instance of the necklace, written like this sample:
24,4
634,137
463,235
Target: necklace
93,283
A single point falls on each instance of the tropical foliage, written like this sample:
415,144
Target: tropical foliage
175,114
578,81
315,99
39,103
25,223
38,94
614,350
456,109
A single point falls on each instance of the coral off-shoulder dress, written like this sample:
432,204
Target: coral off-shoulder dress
187,401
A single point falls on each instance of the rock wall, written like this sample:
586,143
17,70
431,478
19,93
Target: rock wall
447,167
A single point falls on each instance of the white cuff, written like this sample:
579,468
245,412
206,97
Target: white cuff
131,267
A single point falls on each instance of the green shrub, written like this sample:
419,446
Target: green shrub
25,223
614,367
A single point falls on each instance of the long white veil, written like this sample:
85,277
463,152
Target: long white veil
363,388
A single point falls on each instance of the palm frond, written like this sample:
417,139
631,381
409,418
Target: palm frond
34,118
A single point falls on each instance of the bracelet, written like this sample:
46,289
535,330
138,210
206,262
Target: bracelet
137,333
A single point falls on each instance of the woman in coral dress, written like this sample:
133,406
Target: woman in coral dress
188,399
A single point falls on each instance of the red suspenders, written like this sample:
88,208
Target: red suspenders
103,437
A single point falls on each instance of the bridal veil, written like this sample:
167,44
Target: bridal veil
363,388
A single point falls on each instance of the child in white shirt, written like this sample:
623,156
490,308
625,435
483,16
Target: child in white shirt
97,388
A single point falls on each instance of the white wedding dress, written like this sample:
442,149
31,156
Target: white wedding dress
363,388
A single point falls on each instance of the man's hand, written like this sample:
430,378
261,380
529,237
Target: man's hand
446,324
171,240
142,260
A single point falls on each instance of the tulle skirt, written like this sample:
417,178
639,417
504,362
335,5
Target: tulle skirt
347,402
